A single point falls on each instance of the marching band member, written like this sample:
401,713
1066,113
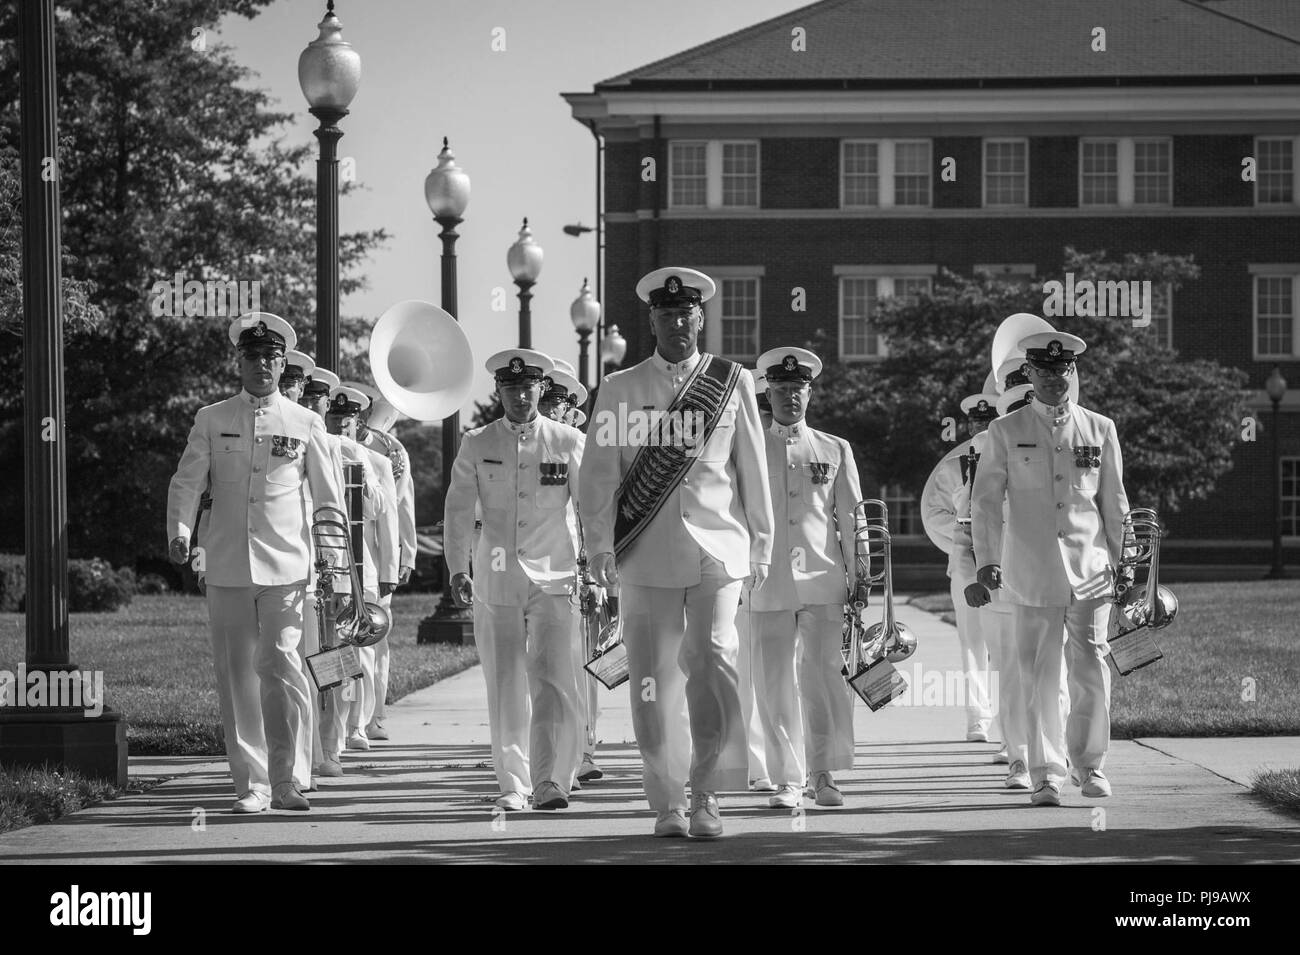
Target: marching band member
522,469
380,538
677,507
316,391
298,366
270,465
945,513
748,659
799,614
1059,469
377,417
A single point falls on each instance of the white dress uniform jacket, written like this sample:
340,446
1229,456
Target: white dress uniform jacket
723,506
388,445
814,488
1038,477
270,465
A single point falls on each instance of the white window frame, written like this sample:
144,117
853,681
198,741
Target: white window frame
885,165
1290,270
1004,270
1295,172
885,276
713,307
895,494
1283,460
1169,302
713,171
984,172
1124,170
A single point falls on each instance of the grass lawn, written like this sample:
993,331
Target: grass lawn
157,664
31,796
1230,640
1281,787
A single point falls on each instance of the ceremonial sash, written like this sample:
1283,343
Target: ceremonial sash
663,461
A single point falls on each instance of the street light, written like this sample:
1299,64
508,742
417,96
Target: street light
1275,386
446,190
525,261
612,348
585,313
329,72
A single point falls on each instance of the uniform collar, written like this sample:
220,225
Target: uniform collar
787,431
528,428
1054,413
253,401
680,369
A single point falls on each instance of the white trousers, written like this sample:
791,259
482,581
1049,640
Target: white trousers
806,705
382,660
681,649
530,657
976,652
265,697
1013,715
748,663
1072,637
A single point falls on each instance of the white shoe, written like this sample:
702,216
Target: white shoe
670,824
549,796
1017,776
589,769
761,785
977,732
357,740
376,730
1046,794
787,797
511,802
825,790
287,796
1001,757
1095,785
329,769
252,802
706,821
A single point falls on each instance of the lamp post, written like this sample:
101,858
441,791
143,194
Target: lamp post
446,190
612,348
525,261
1275,386
585,314
329,72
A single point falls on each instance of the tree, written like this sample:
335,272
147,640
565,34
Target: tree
1177,420
169,163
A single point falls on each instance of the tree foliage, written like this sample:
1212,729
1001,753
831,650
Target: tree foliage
1177,420
169,162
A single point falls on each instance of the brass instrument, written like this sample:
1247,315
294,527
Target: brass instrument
1138,611
422,363
602,634
869,652
358,622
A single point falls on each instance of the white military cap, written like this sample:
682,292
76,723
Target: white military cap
576,418
299,360
256,328
562,365
1010,373
1015,397
760,382
1051,348
322,382
519,364
980,406
347,400
572,388
368,392
789,364
675,288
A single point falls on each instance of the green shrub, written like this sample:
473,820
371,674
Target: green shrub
13,582
151,584
94,585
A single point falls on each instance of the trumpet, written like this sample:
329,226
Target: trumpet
865,646
358,622
1154,606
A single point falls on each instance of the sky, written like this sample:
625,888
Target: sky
428,70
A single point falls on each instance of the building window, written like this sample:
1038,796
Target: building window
1099,171
1006,172
739,318
1020,273
1151,172
1274,316
1275,171
861,165
713,174
861,290
1290,496
912,173
904,513
1161,328
885,173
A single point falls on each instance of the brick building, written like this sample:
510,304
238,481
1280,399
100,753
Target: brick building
807,151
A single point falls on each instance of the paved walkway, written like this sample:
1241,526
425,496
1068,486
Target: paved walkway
917,795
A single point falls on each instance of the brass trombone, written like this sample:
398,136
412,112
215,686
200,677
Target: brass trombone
864,647
1139,610
358,622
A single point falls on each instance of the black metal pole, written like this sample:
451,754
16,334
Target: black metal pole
583,337
327,237
1276,572
45,464
525,314
451,424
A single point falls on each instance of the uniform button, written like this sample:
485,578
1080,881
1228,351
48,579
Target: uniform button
1058,449
252,500
1061,534
523,523
686,513
1059,478
520,552
1059,505
259,440
793,493
686,480
523,467
792,521
522,494
257,470
792,467
1026,459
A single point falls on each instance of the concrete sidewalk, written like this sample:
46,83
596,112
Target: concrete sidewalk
917,795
